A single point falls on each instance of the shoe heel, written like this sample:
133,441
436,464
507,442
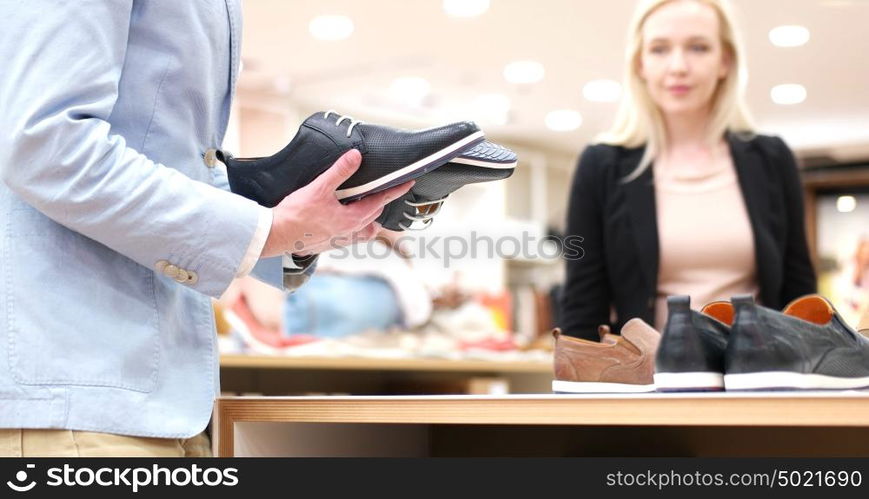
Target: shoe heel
683,362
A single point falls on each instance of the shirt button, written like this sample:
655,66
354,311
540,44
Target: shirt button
192,277
182,276
171,271
211,158
160,265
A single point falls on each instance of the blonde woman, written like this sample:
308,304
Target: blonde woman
680,197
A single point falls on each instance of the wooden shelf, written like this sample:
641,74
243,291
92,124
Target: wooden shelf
382,364
810,411
725,409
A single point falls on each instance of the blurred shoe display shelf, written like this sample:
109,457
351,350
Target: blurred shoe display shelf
283,375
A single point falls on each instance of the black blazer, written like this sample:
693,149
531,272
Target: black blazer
617,222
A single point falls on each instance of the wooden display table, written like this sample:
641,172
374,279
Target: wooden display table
775,424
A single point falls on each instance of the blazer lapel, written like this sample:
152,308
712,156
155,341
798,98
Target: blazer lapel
749,164
233,8
640,194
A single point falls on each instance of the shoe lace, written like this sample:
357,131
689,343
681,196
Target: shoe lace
423,212
341,119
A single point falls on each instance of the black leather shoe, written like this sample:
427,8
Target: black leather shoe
389,157
805,347
690,356
486,162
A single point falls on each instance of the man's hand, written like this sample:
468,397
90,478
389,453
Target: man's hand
312,220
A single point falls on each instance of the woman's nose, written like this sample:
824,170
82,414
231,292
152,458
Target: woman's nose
678,63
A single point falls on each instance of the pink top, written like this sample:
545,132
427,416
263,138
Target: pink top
706,246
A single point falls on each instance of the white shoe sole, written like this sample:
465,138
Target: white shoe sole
783,380
398,176
559,386
484,164
689,381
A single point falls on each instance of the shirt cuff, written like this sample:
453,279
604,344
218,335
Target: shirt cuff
255,249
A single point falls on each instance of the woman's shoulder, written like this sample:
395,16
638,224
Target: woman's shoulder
602,157
770,145
773,153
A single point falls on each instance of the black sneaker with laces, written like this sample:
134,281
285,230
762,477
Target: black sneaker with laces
805,347
690,356
486,162
390,157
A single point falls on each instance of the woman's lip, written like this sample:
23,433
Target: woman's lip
679,89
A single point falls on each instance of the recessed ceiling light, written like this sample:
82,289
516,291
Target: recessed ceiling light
331,28
789,36
465,8
788,93
524,72
492,108
846,204
602,90
563,120
410,90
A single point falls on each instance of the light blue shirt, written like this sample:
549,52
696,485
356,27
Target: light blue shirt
115,231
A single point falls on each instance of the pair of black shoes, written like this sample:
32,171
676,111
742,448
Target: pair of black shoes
739,345
441,160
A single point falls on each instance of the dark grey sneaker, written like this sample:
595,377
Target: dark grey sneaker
485,162
690,356
389,157
805,347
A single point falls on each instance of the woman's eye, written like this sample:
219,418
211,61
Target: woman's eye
660,49
700,48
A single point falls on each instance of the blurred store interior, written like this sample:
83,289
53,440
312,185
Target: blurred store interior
542,78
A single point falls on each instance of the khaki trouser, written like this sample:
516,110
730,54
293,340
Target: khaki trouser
67,443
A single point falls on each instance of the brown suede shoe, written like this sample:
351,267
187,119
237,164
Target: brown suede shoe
618,364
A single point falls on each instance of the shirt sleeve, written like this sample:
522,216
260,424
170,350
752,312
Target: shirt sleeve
255,249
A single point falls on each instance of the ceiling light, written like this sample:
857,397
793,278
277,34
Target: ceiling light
846,204
331,28
465,8
410,90
563,120
492,108
524,72
788,93
789,36
602,90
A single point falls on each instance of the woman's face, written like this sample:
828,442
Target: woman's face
682,58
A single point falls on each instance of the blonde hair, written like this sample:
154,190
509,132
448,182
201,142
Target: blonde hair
639,121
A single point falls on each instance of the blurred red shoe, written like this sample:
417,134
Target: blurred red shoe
258,333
